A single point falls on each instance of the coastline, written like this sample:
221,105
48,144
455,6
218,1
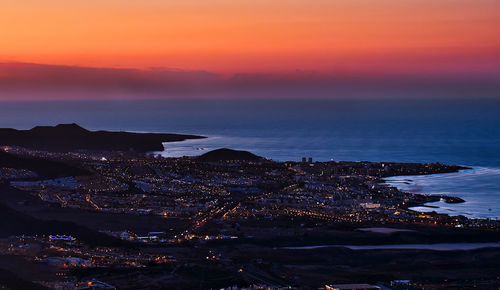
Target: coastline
381,171
233,203
459,193
423,199
72,137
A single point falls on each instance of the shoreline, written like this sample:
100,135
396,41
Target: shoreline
429,198
378,170
72,137
436,202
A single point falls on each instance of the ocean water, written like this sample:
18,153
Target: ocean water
479,187
463,132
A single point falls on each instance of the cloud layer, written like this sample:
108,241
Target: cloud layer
38,81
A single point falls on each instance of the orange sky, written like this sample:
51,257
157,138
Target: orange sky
255,35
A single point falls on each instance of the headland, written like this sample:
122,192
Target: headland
71,137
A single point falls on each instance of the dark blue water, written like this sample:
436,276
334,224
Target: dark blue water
479,187
465,132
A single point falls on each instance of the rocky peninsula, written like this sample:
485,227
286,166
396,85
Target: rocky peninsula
71,137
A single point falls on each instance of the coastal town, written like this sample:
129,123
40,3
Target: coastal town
235,191
178,213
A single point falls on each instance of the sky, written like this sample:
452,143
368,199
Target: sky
166,48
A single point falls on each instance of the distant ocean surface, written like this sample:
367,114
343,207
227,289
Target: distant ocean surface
463,132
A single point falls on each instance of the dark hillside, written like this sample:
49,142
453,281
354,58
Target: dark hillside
225,154
43,167
70,137
14,223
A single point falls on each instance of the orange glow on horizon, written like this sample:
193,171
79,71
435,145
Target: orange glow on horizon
253,35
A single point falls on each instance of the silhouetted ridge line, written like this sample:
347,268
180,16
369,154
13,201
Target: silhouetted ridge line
69,128
225,154
70,137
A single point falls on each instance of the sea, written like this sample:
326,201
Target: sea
453,131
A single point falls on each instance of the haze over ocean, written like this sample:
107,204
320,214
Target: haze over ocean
463,132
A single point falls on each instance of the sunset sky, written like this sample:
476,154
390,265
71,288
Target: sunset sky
444,39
